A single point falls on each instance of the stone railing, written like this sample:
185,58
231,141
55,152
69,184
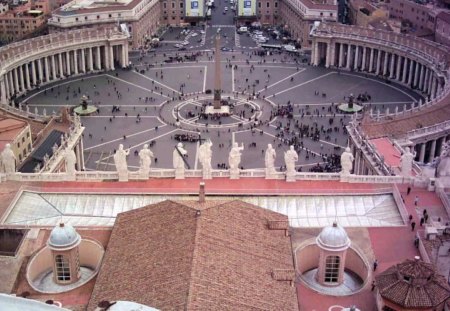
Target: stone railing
369,151
429,130
68,141
444,198
24,113
401,206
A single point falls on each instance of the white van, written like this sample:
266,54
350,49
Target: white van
242,29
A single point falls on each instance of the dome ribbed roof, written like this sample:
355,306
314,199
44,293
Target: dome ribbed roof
63,236
333,238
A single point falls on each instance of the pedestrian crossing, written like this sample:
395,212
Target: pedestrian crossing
237,40
223,26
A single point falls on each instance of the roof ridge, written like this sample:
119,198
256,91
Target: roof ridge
194,258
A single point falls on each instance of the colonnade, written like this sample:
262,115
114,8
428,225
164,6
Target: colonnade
396,65
27,73
428,149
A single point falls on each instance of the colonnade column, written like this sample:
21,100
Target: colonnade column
378,65
386,60
61,70
99,63
54,68
433,88
22,80
33,73
111,57
372,52
432,151
399,67
124,57
422,152
27,77
349,50
416,74
422,75
16,80
68,63
430,83
411,72
47,75
83,61
405,70
91,64
75,61
3,100
392,67
356,64
341,54
364,56
39,62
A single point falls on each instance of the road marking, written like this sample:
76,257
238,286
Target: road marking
204,79
168,87
232,79
117,139
335,145
301,84
196,155
138,86
269,86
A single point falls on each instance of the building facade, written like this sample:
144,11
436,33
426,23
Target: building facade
298,17
17,133
141,19
442,30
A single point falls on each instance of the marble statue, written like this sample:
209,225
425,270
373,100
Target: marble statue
406,162
347,162
120,160
70,160
443,167
290,157
8,160
205,156
145,160
178,160
271,154
234,158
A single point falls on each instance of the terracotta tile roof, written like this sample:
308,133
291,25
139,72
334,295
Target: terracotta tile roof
400,125
179,256
413,284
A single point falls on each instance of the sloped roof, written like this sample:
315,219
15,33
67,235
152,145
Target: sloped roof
191,256
413,284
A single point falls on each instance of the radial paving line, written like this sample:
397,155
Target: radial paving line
269,86
301,84
138,86
121,138
204,79
147,141
166,86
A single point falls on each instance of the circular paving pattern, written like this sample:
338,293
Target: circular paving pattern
149,105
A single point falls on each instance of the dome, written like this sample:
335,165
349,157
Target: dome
63,236
333,238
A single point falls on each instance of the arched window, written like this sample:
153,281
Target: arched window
62,268
332,269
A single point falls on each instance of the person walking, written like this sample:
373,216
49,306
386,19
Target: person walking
373,285
422,220
416,200
408,191
375,264
413,225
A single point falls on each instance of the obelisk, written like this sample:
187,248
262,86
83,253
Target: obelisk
217,78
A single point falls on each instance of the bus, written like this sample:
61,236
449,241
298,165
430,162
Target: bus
271,46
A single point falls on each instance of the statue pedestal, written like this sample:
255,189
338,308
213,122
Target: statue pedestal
345,177
290,176
123,176
271,174
207,174
223,110
144,174
234,173
179,174
71,177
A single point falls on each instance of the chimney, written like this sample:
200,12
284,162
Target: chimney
201,194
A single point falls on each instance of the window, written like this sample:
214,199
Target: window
23,139
62,268
268,4
276,4
109,15
173,5
165,5
332,269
